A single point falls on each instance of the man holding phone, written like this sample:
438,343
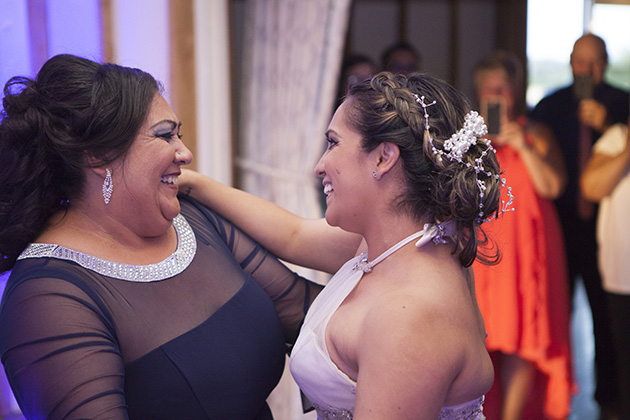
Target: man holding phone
578,115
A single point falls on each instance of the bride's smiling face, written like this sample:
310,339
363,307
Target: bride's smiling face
345,173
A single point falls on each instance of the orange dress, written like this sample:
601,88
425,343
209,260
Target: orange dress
524,299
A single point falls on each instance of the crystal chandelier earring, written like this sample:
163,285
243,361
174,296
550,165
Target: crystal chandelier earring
108,186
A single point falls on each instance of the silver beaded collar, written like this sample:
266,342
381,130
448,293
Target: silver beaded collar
171,266
468,411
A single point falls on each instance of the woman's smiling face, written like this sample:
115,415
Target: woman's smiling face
345,173
146,178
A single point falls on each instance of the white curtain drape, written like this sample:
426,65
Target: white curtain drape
293,50
214,104
291,59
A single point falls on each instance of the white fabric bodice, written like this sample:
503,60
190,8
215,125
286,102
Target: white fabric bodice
613,224
330,390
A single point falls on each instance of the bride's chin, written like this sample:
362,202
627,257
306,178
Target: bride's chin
330,219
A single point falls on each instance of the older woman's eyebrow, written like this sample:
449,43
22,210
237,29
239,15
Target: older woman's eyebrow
171,122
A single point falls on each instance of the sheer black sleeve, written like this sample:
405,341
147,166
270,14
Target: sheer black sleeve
59,348
291,293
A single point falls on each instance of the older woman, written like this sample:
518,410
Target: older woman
396,333
125,301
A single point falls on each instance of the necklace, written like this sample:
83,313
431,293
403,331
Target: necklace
171,266
430,231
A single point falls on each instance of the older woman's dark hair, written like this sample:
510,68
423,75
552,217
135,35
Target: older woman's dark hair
384,109
74,110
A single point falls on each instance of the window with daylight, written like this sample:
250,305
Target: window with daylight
553,27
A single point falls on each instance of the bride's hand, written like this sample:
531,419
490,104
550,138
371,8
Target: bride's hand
188,181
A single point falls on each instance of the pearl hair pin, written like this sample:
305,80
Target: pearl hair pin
458,145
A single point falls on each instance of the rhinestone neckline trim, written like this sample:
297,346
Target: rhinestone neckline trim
468,411
177,262
331,413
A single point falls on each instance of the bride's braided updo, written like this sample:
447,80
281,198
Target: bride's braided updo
387,109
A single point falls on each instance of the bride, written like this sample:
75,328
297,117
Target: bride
409,181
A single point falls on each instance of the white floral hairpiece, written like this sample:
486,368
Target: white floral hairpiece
458,145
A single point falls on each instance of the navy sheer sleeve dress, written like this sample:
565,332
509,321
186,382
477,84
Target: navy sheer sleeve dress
200,335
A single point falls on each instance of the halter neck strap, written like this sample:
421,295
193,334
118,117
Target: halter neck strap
437,233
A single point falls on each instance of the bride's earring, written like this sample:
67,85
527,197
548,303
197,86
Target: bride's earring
108,186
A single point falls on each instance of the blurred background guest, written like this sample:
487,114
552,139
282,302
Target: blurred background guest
578,114
606,180
401,57
524,299
354,69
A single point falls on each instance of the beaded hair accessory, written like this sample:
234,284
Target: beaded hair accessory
458,145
